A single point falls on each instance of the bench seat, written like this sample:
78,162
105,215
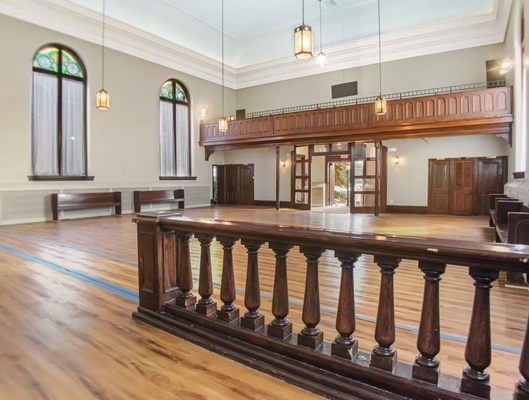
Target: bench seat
158,196
82,201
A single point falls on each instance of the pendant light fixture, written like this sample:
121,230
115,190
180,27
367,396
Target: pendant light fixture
102,96
380,101
223,121
321,59
303,37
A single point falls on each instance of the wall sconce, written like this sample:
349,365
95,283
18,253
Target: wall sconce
396,160
203,112
283,163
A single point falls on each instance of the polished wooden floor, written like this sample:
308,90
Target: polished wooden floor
68,289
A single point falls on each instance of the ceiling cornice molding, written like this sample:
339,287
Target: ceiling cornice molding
450,36
71,19
77,21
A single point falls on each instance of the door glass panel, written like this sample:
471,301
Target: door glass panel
301,168
364,184
339,147
304,150
302,184
302,198
371,167
321,148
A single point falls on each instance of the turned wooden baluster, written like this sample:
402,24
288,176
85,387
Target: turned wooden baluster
228,312
345,345
478,349
426,367
206,305
383,355
252,319
280,327
311,336
522,389
185,274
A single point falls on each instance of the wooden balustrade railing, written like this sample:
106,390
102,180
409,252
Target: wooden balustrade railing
300,355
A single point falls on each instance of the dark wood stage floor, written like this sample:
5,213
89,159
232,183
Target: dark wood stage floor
68,290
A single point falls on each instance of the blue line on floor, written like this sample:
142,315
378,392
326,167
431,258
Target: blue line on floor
134,296
129,294
134,263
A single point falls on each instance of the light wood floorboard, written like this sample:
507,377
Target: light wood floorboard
105,248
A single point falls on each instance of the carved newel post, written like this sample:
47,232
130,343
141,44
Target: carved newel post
206,305
280,327
186,298
478,349
228,312
345,345
426,367
383,355
310,335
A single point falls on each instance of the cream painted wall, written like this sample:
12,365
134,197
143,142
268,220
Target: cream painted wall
408,181
438,70
445,69
123,142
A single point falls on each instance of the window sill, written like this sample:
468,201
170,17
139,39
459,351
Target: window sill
59,178
178,178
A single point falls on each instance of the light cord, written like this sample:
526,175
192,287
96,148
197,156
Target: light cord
222,28
379,53
103,47
321,31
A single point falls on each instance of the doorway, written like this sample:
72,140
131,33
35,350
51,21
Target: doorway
338,181
461,186
233,184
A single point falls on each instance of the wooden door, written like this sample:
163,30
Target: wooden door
462,186
219,184
491,176
300,182
233,183
247,187
439,186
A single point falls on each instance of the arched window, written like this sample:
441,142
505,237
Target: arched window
58,114
175,139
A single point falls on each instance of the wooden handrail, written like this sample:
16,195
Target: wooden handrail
330,368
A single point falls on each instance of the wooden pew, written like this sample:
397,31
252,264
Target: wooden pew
501,222
80,201
492,206
510,220
158,196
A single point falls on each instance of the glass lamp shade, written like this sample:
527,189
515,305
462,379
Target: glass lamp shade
321,59
381,106
223,124
303,41
102,100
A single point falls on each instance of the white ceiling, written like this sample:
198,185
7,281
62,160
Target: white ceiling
186,35
261,30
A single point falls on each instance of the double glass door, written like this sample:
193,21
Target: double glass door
365,177
300,193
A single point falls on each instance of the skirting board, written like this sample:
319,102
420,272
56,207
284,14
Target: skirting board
272,203
407,209
76,216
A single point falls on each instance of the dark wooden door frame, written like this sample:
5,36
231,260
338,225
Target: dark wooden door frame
226,172
333,159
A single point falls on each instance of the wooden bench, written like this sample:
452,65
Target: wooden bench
81,201
510,220
492,206
158,196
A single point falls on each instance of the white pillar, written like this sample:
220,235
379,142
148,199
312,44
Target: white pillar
519,124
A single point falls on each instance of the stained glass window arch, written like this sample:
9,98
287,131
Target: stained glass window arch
175,130
58,114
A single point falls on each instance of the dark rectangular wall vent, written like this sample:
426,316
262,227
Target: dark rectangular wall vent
240,114
344,89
